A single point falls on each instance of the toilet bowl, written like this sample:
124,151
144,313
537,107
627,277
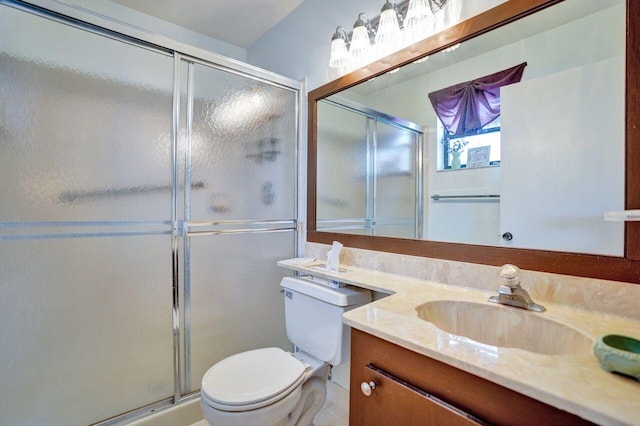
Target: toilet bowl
264,387
270,386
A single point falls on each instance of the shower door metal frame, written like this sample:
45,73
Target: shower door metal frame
87,20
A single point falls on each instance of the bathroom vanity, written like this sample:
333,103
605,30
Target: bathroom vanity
412,389
505,366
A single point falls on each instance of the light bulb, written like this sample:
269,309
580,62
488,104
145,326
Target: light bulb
388,35
360,50
419,21
339,54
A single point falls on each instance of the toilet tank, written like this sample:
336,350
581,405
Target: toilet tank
313,317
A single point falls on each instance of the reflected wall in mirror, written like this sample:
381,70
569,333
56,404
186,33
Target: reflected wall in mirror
565,117
562,142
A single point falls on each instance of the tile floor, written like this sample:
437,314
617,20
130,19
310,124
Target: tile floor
331,415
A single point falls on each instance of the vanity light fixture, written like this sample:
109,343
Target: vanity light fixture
397,26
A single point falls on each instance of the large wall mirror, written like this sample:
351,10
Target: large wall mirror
531,187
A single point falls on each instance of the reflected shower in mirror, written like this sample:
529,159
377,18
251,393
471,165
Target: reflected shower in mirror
557,165
374,184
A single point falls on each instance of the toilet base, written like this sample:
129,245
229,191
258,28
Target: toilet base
314,394
276,414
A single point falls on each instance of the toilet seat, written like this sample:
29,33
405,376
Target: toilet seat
252,379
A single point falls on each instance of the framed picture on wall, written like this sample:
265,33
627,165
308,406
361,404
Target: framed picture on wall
478,157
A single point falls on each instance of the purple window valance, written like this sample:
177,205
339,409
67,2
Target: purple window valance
469,106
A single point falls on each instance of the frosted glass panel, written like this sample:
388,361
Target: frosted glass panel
342,164
396,181
85,125
236,303
243,148
86,328
86,278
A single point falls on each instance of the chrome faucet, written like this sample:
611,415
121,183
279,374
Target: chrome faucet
510,293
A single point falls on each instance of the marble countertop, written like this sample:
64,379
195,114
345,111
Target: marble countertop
571,382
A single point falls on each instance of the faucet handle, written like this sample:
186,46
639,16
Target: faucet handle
510,274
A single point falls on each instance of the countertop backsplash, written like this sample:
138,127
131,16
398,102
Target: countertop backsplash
610,297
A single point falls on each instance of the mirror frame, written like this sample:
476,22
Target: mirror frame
625,268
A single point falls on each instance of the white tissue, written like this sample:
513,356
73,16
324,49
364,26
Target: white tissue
333,257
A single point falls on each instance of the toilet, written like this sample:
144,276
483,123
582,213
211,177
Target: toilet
270,386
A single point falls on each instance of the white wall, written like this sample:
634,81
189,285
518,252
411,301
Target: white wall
299,46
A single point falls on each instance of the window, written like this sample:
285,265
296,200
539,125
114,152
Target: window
489,136
469,119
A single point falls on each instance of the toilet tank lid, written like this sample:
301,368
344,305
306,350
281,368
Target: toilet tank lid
338,296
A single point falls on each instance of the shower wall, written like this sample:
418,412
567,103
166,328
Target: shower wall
145,197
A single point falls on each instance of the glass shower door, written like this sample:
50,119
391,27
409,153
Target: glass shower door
145,198
345,178
241,155
85,246
398,204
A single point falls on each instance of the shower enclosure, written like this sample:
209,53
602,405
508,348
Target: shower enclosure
370,174
145,196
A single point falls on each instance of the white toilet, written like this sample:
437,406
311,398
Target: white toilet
270,386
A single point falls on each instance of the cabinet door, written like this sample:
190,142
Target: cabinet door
393,401
391,404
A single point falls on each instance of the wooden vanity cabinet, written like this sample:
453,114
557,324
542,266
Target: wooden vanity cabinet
412,389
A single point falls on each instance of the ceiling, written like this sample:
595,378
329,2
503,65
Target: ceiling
237,22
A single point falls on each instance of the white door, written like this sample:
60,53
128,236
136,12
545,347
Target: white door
559,177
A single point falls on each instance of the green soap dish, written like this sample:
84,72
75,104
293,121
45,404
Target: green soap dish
619,354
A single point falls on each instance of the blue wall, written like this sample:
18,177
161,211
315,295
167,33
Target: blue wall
299,46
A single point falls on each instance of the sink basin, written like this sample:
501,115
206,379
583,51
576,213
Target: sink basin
504,326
